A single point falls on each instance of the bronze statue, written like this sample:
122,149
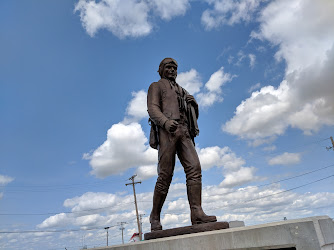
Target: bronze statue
173,114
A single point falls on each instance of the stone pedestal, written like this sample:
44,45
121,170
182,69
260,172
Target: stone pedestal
313,233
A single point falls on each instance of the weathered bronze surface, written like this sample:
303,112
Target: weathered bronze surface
186,230
173,114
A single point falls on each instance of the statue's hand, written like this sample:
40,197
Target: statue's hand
171,125
191,99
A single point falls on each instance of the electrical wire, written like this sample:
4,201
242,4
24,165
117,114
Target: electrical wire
266,196
120,204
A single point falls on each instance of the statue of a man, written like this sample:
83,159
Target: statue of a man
173,113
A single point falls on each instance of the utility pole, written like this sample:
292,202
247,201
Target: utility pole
332,147
122,228
106,228
133,183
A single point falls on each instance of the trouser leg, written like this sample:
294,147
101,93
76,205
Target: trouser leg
189,159
166,165
192,167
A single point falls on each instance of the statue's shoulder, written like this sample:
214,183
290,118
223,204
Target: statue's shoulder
159,84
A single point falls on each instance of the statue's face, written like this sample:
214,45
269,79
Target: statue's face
170,71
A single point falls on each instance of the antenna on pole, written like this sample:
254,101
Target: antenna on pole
122,228
133,183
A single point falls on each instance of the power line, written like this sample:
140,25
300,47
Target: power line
286,149
289,189
266,196
120,204
51,231
73,212
267,184
87,229
62,186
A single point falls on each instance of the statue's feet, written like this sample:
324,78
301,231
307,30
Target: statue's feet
155,224
205,219
199,217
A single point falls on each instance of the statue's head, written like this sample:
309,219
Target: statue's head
168,69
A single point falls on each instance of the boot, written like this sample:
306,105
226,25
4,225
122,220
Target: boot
195,201
158,201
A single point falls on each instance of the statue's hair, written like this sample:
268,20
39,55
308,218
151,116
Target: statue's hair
164,62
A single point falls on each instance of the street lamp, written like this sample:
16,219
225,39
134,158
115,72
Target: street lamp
106,228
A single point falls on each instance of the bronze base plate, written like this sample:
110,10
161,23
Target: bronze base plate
211,226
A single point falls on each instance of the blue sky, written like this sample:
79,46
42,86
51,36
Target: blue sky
73,83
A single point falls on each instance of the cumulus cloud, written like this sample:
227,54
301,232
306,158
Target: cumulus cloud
304,98
190,80
137,107
239,177
228,12
234,172
213,88
112,157
220,157
285,159
167,9
100,209
96,209
254,87
115,15
146,172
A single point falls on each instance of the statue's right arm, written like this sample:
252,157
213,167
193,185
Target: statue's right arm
154,105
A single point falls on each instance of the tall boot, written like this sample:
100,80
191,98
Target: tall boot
158,201
195,201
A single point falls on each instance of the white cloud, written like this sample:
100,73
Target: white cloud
239,177
219,157
190,80
127,18
146,172
115,16
213,88
137,107
285,159
303,32
95,209
126,147
233,167
252,59
228,12
224,202
4,180
167,9
58,220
